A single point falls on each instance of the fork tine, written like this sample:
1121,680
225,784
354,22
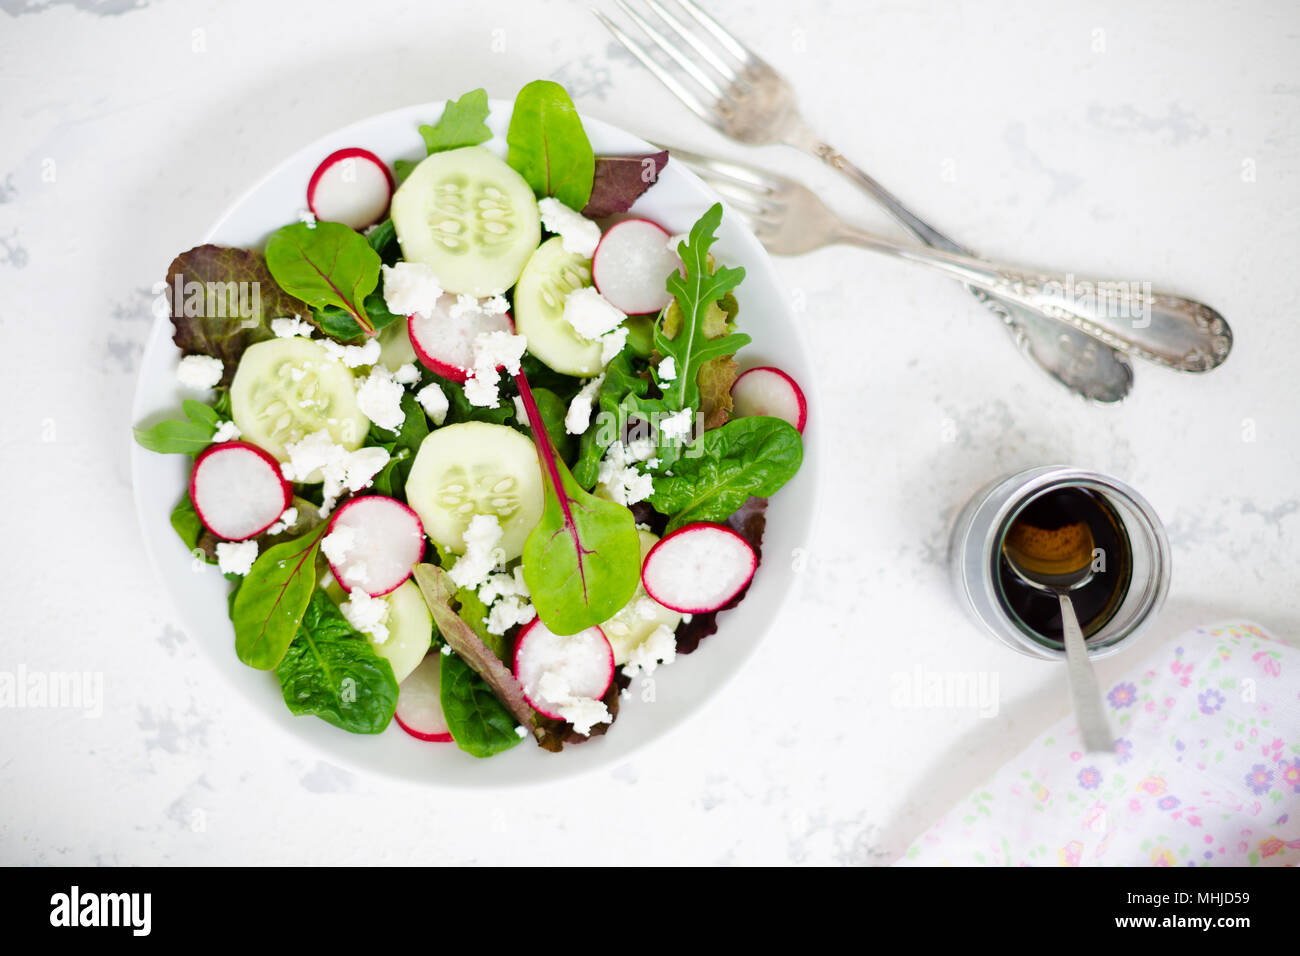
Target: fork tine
689,99
744,176
699,46
733,46
677,56
741,199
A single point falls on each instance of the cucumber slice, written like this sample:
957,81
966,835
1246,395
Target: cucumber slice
640,616
286,389
470,218
410,630
550,275
395,348
475,468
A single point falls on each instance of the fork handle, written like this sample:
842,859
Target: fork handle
1169,330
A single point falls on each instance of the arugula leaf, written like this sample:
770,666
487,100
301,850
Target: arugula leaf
619,181
547,145
272,599
582,562
326,265
177,437
694,294
481,714
621,382
725,467
462,124
222,301
330,670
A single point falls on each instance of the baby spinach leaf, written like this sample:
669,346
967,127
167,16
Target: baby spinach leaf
330,670
477,720
341,325
725,467
547,145
478,727
582,562
381,236
403,168
222,301
177,437
186,523
391,479
621,382
619,181
553,410
273,598
326,265
463,123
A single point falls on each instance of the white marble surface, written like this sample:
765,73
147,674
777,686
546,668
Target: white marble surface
1154,142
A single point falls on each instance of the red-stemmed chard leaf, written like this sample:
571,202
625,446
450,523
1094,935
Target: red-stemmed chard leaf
583,560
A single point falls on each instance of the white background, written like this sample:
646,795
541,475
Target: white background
1155,142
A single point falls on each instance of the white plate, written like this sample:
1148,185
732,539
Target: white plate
199,592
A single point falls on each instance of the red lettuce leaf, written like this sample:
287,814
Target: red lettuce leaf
222,301
620,180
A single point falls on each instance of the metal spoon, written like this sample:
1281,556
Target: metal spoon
1060,574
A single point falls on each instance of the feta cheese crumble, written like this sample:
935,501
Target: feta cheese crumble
286,328
287,520
367,614
619,473
318,454
677,425
660,647
491,350
411,288
199,371
612,343
236,557
582,712
577,233
379,397
336,545
578,418
434,402
307,218
508,612
482,538
521,413
353,356
590,313
667,369
406,374
226,431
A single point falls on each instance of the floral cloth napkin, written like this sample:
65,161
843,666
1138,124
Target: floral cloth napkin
1206,771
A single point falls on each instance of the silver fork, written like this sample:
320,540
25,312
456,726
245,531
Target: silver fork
737,92
1169,330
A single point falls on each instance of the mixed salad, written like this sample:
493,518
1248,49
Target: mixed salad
474,448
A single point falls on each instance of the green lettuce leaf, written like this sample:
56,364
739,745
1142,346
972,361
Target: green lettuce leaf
222,301
272,599
725,467
332,671
463,123
328,265
547,145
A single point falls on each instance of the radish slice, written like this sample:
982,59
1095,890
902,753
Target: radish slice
419,702
698,568
584,661
632,264
445,345
237,490
351,186
769,391
373,543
